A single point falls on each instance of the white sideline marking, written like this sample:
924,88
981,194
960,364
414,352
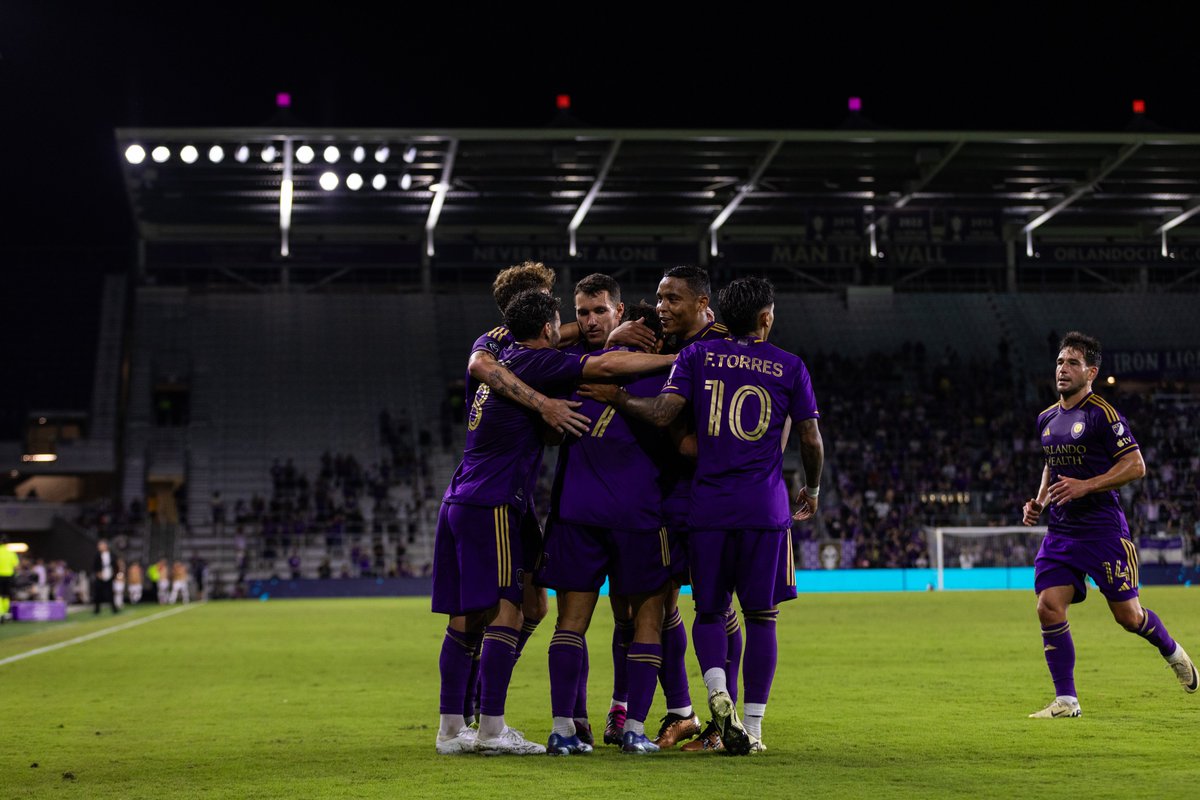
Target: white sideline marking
88,637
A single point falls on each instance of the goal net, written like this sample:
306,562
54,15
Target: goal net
967,548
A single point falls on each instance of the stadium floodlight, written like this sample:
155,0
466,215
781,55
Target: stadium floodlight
135,154
354,181
304,154
406,181
332,154
381,153
378,182
242,154
439,190
216,154
189,154
360,154
160,154
410,154
1083,187
268,153
329,181
39,458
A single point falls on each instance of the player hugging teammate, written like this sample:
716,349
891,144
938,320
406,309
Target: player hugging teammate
625,509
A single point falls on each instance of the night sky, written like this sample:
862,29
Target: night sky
71,73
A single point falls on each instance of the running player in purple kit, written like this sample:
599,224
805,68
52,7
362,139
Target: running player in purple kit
477,578
1090,453
606,522
742,391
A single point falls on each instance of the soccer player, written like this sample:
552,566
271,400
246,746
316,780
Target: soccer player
683,306
741,391
477,576
558,414
1090,453
606,521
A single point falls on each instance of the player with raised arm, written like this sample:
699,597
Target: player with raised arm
483,367
741,391
1089,454
477,577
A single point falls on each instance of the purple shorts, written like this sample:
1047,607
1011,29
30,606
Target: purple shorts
477,561
757,564
577,558
1112,564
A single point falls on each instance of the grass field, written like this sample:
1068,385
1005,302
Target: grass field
886,695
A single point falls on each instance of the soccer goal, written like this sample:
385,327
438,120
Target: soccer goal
983,547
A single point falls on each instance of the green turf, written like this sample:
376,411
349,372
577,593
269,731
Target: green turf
885,695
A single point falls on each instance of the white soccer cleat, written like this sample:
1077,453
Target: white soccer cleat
459,743
1058,709
510,742
1181,664
757,746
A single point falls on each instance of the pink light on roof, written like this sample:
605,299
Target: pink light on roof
283,100
855,104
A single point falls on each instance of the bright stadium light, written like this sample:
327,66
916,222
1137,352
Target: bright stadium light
268,153
135,154
216,154
354,181
160,154
304,154
189,154
332,154
406,181
329,181
381,153
410,154
360,154
242,154
378,182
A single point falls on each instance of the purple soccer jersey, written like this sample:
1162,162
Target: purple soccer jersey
504,448
677,470
610,476
1083,442
741,392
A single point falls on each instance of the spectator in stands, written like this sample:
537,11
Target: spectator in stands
179,583
133,580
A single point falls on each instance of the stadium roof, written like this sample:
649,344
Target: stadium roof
704,187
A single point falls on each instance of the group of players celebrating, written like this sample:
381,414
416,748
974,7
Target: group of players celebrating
668,478
663,479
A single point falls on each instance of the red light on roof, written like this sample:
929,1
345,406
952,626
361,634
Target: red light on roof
1139,106
563,102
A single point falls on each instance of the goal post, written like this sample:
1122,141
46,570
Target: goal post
941,533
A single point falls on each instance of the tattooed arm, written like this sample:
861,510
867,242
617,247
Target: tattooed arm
559,415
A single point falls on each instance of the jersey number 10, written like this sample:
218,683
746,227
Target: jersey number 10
716,410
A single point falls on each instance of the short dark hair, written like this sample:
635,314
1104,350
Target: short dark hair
648,314
696,279
1088,345
742,300
598,282
514,280
528,312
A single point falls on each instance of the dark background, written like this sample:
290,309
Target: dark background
69,75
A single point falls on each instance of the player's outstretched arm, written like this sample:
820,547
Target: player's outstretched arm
617,363
812,456
659,410
635,334
559,415
1130,467
1033,507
